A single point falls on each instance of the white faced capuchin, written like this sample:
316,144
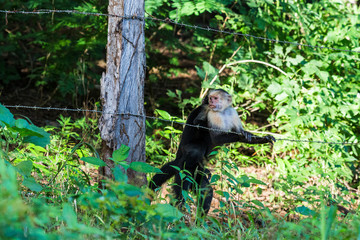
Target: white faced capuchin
196,144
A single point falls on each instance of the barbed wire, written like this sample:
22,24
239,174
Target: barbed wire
167,20
170,21
166,120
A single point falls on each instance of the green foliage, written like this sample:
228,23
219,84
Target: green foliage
323,225
317,99
53,50
119,209
20,131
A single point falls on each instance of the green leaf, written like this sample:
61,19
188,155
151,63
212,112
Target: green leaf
215,178
256,181
25,129
30,183
200,72
94,161
40,137
223,194
163,114
274,88
295,61
281,96
213,153
25,168
69,216
131,190
120,154
258,203
305,211
312,67
323,75
168,211
6,116
279,50
144,167
119,175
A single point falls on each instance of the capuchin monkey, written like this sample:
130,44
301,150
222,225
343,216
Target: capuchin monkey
197,142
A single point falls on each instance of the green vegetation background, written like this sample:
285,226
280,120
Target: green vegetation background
58,59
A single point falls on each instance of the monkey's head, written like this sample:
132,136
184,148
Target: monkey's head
218,100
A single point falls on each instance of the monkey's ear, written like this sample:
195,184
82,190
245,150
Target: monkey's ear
229,99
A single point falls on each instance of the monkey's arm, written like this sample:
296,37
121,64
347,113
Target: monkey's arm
243,136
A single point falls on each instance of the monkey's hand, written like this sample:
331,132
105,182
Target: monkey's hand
270,139
247,135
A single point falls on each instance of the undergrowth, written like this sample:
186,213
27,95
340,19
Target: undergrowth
49,191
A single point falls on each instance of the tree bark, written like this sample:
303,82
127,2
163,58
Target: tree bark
122,86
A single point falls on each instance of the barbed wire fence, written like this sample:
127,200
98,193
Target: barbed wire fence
170,21
169,121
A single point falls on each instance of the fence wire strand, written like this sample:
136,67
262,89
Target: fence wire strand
166,120
170,21
167,20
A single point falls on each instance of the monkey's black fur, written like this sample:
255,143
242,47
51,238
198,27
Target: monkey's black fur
195,146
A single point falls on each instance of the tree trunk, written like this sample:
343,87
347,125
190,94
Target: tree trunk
122,87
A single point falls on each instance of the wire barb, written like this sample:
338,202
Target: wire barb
166,120
170,21
167,20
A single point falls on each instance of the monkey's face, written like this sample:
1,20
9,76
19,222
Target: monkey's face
218,100
215,102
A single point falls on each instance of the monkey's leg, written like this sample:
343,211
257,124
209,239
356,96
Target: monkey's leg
206,191
167,172
192,159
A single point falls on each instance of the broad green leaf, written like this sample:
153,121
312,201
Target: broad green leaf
188,8
163,114
39,141
323,75
143,167
94,161
119,175
6,116
244,178
295,61
215,178
304,211
281,96
168,211
131,190
30,183
200,72
25,129
274,88
25,168
120,154
312,67
279,50
42,138
69,216
211,70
